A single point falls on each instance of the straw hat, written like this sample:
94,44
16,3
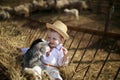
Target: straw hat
59,27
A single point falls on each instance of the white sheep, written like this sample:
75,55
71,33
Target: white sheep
74,11
84,5
39,3
22,10
6,8
4,15
61,3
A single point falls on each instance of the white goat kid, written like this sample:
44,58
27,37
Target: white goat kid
32,62
35,71
75,12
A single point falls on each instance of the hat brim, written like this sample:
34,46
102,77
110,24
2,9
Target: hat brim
64,35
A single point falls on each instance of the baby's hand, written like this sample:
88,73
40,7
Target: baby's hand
19,49
65,51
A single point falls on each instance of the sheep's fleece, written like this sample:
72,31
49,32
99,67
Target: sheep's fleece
34,53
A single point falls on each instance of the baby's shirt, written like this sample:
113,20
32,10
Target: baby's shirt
24,50
55,56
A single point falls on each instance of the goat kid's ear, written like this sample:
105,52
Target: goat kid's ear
43,40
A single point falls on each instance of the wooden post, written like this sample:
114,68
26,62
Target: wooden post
109,15
99,6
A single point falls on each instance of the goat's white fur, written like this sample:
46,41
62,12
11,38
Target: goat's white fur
73,11
35,71
34,68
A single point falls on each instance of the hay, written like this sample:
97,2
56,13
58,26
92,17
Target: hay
10,37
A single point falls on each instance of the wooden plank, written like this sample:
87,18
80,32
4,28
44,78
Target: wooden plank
96,32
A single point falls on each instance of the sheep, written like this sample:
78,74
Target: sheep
39,3
74,11
4,15
32,58
61,3
22,10
6,8
84,5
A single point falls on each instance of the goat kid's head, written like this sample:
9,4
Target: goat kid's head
43,47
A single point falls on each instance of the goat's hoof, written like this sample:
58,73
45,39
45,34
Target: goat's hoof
29,71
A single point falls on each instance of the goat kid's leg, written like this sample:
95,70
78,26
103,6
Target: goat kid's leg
33,72
29,70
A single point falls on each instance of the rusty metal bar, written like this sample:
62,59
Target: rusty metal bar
32,36
28,38
26,32
37,31
81,57
43,34
40,34
26,25
36,34
93,58
109,15
76,48
72,40
104,62
65,40
83,54
117,73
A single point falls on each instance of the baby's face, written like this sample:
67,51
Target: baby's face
53,38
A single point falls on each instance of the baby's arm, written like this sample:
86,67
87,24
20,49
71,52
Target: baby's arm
23,50
65,57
